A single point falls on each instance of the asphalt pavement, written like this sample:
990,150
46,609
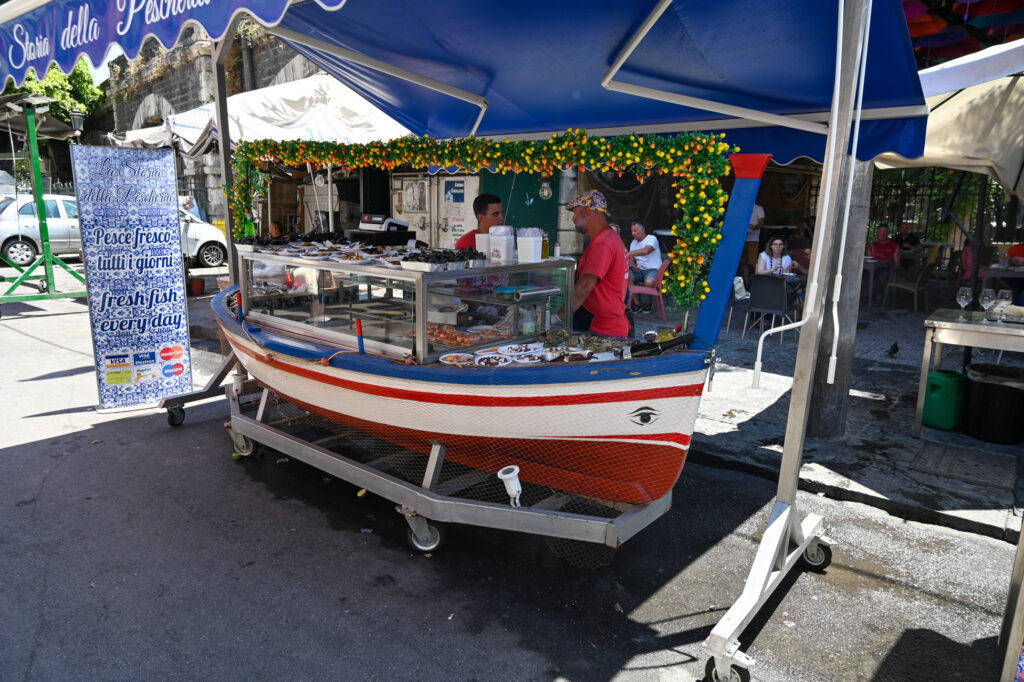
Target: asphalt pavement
133,549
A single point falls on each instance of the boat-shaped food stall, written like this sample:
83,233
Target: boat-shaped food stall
467,358
445,381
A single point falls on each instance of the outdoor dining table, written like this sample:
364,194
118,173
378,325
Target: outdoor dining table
996,272
871,265
944,327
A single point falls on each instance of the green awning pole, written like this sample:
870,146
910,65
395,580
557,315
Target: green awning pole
37,189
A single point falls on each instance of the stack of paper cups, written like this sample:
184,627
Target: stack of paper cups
483,244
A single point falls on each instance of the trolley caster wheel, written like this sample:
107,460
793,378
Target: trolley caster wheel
176,415
817,556
736,674
43,286
244,446
435,539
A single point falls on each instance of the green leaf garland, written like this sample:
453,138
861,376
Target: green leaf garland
697,161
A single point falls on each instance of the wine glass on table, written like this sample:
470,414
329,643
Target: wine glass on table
1003,300
986,301
963,298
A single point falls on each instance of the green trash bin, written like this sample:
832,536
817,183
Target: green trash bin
944,399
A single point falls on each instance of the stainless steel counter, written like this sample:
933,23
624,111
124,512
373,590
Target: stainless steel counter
945,327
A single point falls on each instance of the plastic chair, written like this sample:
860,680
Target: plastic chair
739,295
655,291
769,295
919,285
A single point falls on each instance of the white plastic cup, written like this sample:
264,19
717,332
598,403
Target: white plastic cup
530,249
483,244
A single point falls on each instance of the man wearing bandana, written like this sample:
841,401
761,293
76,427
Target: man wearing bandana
599,295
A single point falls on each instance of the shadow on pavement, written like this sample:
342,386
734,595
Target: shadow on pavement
913,656
63,373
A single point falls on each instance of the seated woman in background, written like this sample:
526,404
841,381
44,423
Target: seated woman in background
774,260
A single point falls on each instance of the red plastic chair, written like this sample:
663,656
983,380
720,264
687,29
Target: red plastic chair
654,291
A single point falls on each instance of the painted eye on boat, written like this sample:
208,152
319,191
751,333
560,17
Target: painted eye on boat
642,416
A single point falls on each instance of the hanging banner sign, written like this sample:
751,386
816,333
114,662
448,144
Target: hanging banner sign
131,238
33,34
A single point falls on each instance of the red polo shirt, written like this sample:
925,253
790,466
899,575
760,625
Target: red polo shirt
605,258
467,241
884,250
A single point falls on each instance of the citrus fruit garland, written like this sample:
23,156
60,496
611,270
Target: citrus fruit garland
696,161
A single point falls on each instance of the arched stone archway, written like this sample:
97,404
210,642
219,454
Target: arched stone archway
151,111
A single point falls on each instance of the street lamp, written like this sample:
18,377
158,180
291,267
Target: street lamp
77,121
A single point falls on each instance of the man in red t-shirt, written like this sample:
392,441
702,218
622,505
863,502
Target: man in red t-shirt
489,212
884,248
599,295
1015,255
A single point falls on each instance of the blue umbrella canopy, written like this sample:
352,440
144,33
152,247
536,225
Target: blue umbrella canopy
542,67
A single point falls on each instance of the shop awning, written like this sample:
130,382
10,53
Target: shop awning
318,109
976,122
540,65
12,119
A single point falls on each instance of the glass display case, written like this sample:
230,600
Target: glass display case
403,312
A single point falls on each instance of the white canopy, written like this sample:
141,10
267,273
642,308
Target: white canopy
318,108
975,122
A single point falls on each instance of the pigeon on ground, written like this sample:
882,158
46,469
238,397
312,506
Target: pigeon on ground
893,350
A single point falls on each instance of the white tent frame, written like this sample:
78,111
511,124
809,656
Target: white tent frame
786,538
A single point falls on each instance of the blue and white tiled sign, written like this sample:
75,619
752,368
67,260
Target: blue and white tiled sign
128,212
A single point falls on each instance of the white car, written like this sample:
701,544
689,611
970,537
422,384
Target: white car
20,242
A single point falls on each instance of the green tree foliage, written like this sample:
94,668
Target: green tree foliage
921,195
73,91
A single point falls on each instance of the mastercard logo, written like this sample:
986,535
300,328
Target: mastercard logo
171,353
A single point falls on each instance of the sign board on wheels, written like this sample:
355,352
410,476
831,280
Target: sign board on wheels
131,239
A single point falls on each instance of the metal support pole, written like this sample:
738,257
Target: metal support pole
37,190
47,285
787,538
220,98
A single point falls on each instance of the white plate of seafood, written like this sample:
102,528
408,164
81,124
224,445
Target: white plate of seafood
492,360
458,359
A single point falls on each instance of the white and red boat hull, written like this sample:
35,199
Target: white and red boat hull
620,432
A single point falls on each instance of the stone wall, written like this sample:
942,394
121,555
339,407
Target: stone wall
277,63
161,82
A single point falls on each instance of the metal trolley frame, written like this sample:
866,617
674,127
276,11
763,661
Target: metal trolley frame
429,501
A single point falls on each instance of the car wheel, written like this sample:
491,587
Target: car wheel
20,252
212,255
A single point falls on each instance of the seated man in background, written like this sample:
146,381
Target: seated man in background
644,263
884,248
907,240
804,235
